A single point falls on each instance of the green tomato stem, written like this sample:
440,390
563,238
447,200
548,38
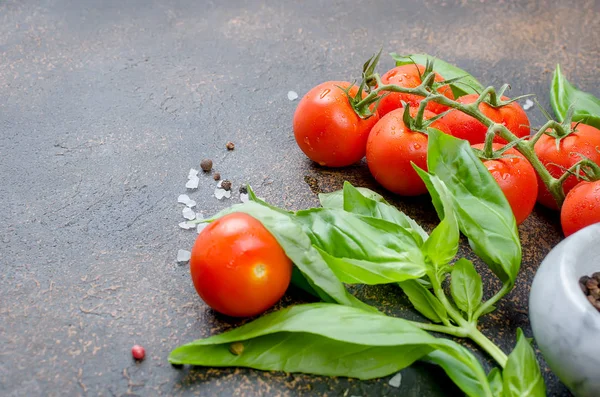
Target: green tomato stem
524,147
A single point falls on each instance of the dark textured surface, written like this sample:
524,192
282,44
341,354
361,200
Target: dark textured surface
106,105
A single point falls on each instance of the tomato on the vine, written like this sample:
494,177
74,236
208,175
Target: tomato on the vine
559,156
409,76
581,207
466,127
238,267
516,178
327,128
391,148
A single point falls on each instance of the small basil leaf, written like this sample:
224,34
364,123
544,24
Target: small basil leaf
442,245
318,338
467,85
564,94
252,197
336,199
424,301
482,211
521,375
357,271
462,367
466,286
495,380
357,202
298,247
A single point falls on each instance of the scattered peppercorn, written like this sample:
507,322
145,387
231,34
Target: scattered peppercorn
591,289
216,176
230,145
226,184
243,189
206,165
138,352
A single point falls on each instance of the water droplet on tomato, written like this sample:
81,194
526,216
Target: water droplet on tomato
416,146
324,93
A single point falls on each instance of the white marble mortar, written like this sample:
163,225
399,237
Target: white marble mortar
565,325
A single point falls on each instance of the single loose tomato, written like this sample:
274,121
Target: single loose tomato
409,76
557,157
327,128
581,207
238,267
463,126
391,148
516,178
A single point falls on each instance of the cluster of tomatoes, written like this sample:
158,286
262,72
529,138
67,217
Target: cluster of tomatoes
331,133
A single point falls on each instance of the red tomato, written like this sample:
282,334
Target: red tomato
392,147
584,140
237,266
408,76
466,127
581,207
326,127
516,178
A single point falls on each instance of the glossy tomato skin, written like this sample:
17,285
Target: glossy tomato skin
466,127
516,178
408,76
581,207
237,266
326,127
392,147
584,140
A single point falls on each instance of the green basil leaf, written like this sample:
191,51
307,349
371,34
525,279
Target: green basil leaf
357,271
336,199
462,367
482,211
466,286
424,301
358,202
318,338
495,380
467,85
522,376
362,249
298,247
442,245
564,94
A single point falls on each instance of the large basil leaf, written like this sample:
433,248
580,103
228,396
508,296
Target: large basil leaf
319,338
360,202
424,301
336,199
466,286
462,367
482,211
467,85
298,247
522,376
564,94
442,245
361,249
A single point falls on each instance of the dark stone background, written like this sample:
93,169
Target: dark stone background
104,107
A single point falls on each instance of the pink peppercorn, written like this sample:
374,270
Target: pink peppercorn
138,352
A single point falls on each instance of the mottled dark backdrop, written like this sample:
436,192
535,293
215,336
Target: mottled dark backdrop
104,107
